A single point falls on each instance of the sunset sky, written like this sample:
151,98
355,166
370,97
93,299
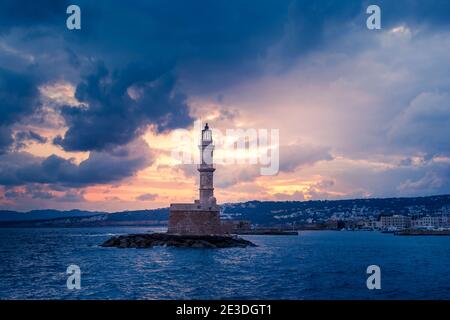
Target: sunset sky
88,117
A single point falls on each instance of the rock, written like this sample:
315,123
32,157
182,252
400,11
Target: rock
172,240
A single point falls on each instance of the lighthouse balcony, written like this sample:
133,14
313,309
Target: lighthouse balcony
206,166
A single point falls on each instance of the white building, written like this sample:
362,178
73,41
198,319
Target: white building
428,221
398,222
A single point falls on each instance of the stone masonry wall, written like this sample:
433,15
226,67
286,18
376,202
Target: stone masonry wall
195,222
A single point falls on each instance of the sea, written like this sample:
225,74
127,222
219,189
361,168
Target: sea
313,265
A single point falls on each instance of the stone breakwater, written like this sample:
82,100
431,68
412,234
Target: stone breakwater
172,240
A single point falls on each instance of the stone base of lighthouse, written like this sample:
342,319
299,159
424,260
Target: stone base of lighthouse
193,219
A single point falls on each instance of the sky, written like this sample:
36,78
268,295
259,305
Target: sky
89,117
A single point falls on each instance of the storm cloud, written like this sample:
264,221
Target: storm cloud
18,98
120,106
22,168
355,95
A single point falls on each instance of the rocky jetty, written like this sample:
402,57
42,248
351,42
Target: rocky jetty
149,240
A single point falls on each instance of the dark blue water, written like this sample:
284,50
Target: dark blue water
314,265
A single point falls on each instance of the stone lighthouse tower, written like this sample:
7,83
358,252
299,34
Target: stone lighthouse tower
206,169
203,216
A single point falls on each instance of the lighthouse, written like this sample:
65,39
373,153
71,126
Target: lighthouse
203,216
206,169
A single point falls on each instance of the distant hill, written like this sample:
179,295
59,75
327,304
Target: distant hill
267,213
77,218
42,215
288,212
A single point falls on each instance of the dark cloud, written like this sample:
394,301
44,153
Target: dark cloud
72,196
316,191
18,98
38,192
154,52
120,106
296,196
294,156
424,124
31,14
229,175
432,177
201,45
433,13
101,167
13,194
147,197
17,94
22,138
5,139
